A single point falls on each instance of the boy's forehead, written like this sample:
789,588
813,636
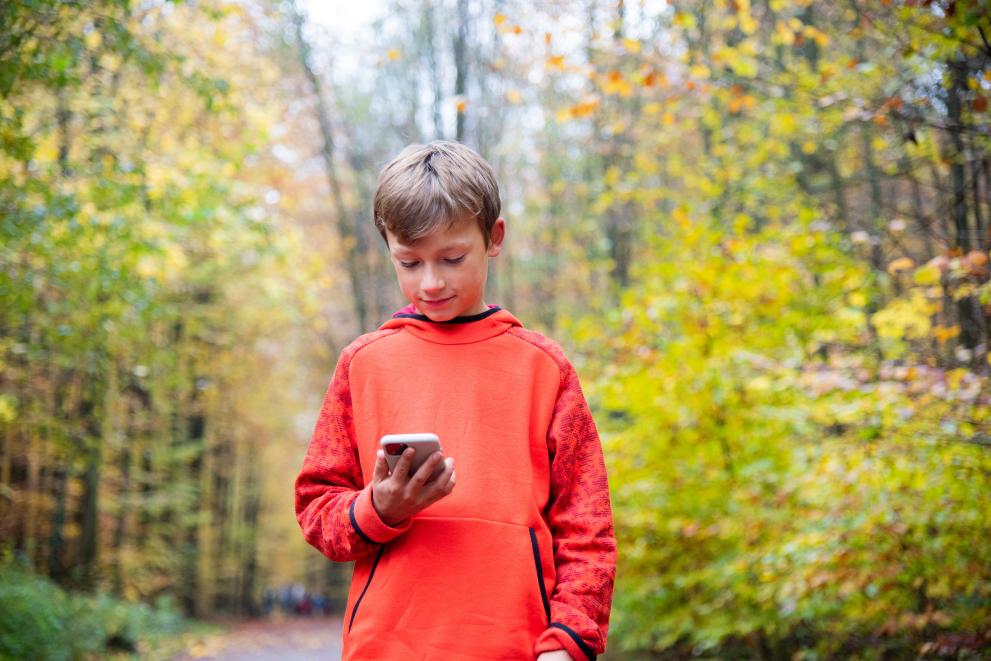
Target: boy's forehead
455,236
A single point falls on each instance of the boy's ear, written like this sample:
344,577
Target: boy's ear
496,237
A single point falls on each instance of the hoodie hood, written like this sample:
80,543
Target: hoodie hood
460,330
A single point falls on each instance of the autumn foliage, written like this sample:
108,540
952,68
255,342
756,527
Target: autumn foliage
762,228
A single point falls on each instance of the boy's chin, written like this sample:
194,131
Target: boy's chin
438,316
444,314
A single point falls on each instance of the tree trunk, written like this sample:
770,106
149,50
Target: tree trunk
461,65
436,80
351,236
958,175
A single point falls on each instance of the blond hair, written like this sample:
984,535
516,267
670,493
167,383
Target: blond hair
440,183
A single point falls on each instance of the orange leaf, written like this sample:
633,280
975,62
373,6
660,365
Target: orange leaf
900,264
944,333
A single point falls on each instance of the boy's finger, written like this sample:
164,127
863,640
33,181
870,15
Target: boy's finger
427,469
401,471
381,470
444,483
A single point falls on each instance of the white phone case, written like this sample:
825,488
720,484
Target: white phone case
425,445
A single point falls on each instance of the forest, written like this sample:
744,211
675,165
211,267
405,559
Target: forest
760,229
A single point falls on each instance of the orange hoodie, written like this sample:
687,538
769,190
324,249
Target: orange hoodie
520,558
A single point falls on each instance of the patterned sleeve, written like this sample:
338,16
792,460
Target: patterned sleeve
333,505
580,518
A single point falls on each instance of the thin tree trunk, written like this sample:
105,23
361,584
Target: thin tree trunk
56,541
980,229
351,236
957,173
437,83
461,64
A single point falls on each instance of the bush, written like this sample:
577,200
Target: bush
772,500
39,620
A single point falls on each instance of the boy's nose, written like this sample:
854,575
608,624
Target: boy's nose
431,281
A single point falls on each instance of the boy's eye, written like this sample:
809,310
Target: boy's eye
455,260
408,265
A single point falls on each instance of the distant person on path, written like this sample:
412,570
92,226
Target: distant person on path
512,557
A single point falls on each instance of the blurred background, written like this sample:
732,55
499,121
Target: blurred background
760,229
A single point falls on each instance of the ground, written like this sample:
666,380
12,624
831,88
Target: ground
289,639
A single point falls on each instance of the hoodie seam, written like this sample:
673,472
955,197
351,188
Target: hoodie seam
471,518
482,339
561,369
381,333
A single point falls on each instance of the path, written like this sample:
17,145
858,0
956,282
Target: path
291,639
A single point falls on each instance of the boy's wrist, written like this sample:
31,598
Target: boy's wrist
387,520
370,524
555,655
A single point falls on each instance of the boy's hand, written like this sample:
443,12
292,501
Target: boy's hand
399,495
556,655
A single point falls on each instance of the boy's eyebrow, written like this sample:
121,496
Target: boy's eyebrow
399,249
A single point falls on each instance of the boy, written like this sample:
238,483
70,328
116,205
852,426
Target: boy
512,556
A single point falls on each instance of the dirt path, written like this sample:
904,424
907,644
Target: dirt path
291,639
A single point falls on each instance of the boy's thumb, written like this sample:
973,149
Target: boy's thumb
381,470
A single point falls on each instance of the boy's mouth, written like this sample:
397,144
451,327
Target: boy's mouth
438,302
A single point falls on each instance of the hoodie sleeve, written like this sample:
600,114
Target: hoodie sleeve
580,518
333,505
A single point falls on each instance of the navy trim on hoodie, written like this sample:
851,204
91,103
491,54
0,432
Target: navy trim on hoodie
457,320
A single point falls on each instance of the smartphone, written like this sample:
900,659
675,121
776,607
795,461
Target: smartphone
425,445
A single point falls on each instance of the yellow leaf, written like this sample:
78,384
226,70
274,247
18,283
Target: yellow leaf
700,71
7,411
632,45
612,175
555,62
685,20
585,108
928,274
616,84
900,264
785,124
499,19
668,119
393,54
93,40
514,96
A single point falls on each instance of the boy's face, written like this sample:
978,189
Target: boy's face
443,273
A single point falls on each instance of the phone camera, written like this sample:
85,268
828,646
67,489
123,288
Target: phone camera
395,449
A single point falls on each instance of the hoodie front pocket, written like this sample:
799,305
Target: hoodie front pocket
452,585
